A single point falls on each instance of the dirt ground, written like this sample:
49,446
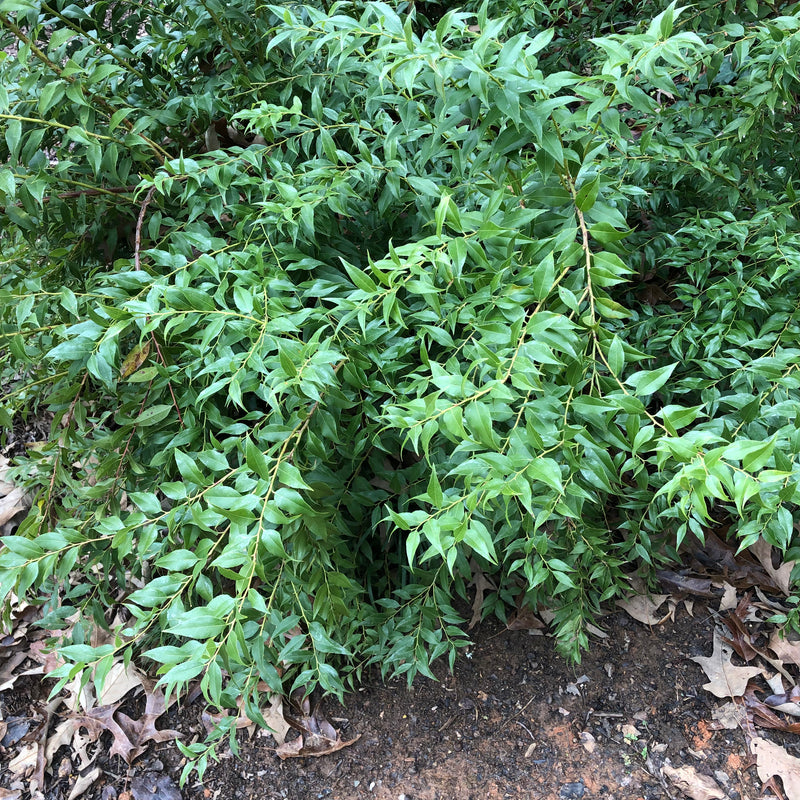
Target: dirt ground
513,721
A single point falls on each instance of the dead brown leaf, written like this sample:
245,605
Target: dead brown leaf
740,639
784,649
727,680
524,619
12,504
154,786
679,583
24,762
772,760
764,716
644,608
693,784
781,575
481,584
317,736
84,782
130,735
728,602
275,719
119,681
63,734
728,716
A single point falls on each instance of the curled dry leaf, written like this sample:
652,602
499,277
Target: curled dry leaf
728,601
681,584
84,782
728,716
781,575
588,741
12,504
765,717
524,619
481,583
726,680
693,784
312,745
317,736
785,649
772,760
119,681
644,608
785,702
63,734
130,735
24,762
152,786
275,719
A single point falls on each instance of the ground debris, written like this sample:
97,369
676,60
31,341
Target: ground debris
317,736
693,784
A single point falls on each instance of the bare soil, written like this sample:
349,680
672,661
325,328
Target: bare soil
513,721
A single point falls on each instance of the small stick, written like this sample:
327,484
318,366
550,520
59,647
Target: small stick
138,240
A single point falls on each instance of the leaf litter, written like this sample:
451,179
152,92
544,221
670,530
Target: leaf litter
717,572
317,736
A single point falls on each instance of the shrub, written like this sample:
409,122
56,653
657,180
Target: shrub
335,305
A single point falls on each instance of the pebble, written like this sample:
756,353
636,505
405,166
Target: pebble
572,791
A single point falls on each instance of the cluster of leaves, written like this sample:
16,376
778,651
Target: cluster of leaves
333,305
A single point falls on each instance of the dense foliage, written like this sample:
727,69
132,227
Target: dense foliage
335,306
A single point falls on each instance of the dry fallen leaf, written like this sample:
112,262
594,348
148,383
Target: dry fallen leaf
787,702
84,782
677,582
152,786
11,505
781,575
643,608
784,649
772,760
274,718
25,761
524,619
764,716
728,602
481,583
119,681
588,741
317,736
631,733
130,735
63,734
728,716
727,680
692,784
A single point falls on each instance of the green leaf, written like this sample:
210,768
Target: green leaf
177,560
645,382
153,415
256,460
477,536
323,642
8,185
188,469
587,194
